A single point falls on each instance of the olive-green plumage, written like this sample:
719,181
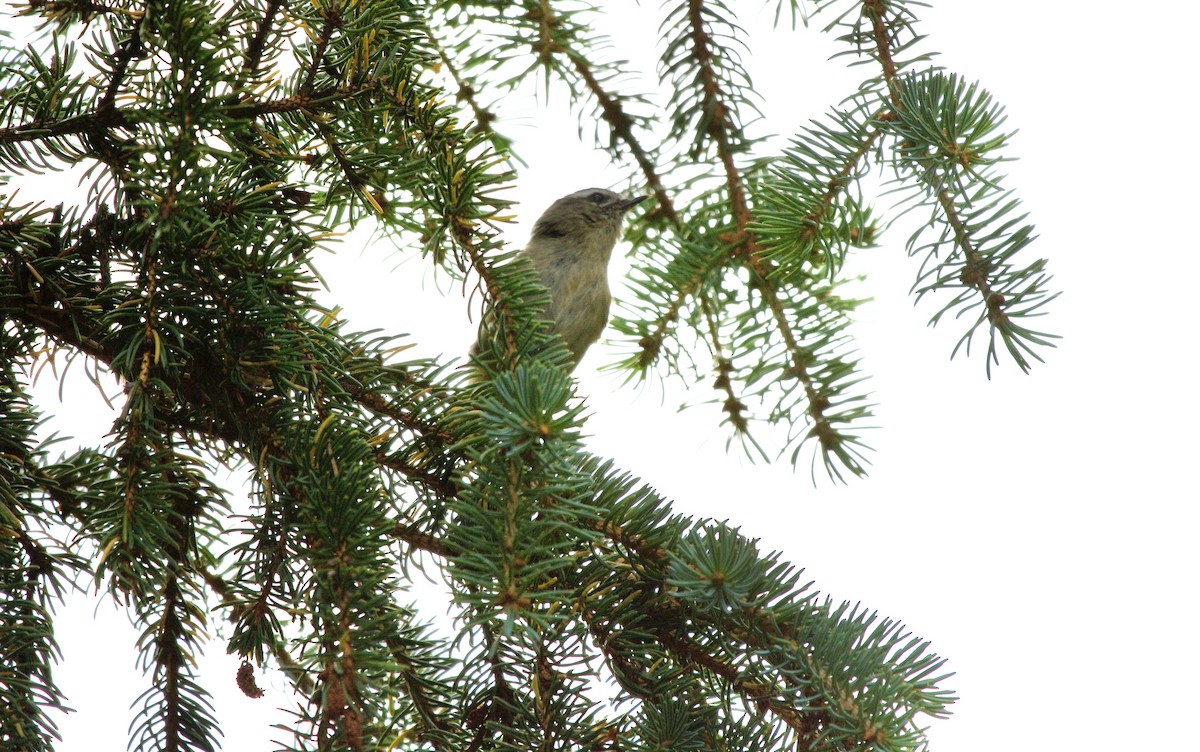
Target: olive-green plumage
570,248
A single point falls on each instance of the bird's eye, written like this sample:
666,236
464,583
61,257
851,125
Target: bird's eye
597,198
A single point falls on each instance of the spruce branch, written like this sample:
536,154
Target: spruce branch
944,131
223,152
746,248
808,216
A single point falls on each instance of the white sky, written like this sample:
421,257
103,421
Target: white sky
1041,529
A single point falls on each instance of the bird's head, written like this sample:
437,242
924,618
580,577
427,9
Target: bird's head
593,213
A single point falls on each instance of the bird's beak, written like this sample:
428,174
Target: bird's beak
628,203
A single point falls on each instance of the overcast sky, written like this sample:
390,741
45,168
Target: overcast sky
1039,529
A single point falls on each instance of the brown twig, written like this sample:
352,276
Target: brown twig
423,541
806,723
332,22
258,42
466,92
622,124
874,10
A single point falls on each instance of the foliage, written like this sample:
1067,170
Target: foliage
223,144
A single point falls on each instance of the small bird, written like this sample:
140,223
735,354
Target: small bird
570,248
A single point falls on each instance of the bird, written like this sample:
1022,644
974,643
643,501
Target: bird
569,249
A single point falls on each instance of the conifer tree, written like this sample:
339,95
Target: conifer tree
224,143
